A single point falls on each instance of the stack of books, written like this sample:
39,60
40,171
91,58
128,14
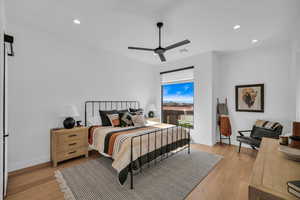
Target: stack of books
294,188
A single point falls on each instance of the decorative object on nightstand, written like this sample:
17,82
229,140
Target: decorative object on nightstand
68,143
70,111
78,123
151,111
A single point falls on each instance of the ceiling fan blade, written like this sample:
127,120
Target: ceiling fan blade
162,57
139,48
184,42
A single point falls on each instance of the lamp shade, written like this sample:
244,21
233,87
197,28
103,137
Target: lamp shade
70,111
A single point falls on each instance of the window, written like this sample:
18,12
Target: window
178,97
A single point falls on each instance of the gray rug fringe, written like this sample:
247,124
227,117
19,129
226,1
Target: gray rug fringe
68,195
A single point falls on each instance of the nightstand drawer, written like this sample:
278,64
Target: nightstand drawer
71,153
72,144
67,137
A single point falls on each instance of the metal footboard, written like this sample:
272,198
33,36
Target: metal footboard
163,152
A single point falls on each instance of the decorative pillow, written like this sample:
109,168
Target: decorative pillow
138,120
103,114
136,111
267,124
122,123
123,111
114,119
126,119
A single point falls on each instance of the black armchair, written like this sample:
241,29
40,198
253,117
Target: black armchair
256,135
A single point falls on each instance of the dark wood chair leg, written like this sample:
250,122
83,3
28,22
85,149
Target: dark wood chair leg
229,141
253,147
240,147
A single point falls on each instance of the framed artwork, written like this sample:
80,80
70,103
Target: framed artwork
249,98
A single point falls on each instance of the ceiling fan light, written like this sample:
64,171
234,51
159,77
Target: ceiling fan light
76,21
254,41
236,27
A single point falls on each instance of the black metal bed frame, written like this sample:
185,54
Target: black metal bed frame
162,154
158,152
108,105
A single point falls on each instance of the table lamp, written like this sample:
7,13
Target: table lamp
70,111
151,110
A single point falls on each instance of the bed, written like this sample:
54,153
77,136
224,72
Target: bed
134,147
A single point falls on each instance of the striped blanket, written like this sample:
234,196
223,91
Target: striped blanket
267,124
116,143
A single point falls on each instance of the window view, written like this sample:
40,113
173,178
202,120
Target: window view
178,104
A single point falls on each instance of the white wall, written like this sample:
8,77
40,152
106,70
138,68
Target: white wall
2,27
298,85
48,73
204,125
269,65
296,68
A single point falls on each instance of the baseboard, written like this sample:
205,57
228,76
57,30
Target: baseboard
34,167
234,142
29,169
28,163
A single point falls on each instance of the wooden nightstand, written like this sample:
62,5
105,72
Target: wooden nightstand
68,143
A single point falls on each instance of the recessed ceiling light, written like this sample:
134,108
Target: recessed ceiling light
236,27
254,41
76,21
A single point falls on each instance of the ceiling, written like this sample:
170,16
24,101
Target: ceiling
113,25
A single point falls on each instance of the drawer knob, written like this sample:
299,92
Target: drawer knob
72,152
74,135
72,144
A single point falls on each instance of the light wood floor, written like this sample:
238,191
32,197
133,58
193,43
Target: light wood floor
228,180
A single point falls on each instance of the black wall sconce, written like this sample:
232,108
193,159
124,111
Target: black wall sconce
9,39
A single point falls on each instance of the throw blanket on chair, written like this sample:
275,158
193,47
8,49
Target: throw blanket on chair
225,126
267,124
223,119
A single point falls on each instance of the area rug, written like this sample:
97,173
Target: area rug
173,178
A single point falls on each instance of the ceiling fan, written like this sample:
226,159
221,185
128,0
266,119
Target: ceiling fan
161,50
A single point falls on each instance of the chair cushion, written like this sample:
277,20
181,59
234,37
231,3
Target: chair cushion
259,132
249,140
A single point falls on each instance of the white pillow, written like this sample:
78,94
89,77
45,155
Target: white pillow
138,120
114,119
93,121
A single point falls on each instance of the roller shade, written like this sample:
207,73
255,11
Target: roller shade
179,75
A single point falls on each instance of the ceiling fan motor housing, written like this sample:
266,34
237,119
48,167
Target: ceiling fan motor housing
159,50
159,24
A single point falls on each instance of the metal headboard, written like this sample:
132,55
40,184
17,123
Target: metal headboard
92,107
